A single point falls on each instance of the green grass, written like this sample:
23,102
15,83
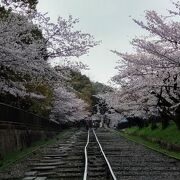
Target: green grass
151,145
171,134
16,156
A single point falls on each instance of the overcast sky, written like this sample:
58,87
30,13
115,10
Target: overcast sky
107,20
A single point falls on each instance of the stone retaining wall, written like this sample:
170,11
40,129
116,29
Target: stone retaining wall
19,129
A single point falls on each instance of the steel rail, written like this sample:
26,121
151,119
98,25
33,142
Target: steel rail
86,158
109,166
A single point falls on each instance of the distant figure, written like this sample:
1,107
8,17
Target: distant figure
106,120
101,122
95,120
89,123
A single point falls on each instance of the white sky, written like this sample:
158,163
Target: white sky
107,20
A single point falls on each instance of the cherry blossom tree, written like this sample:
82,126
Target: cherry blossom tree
21,6
67,107
149,77
29,41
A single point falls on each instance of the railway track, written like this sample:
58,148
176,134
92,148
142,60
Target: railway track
101,155
131,161
63,161
97,165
